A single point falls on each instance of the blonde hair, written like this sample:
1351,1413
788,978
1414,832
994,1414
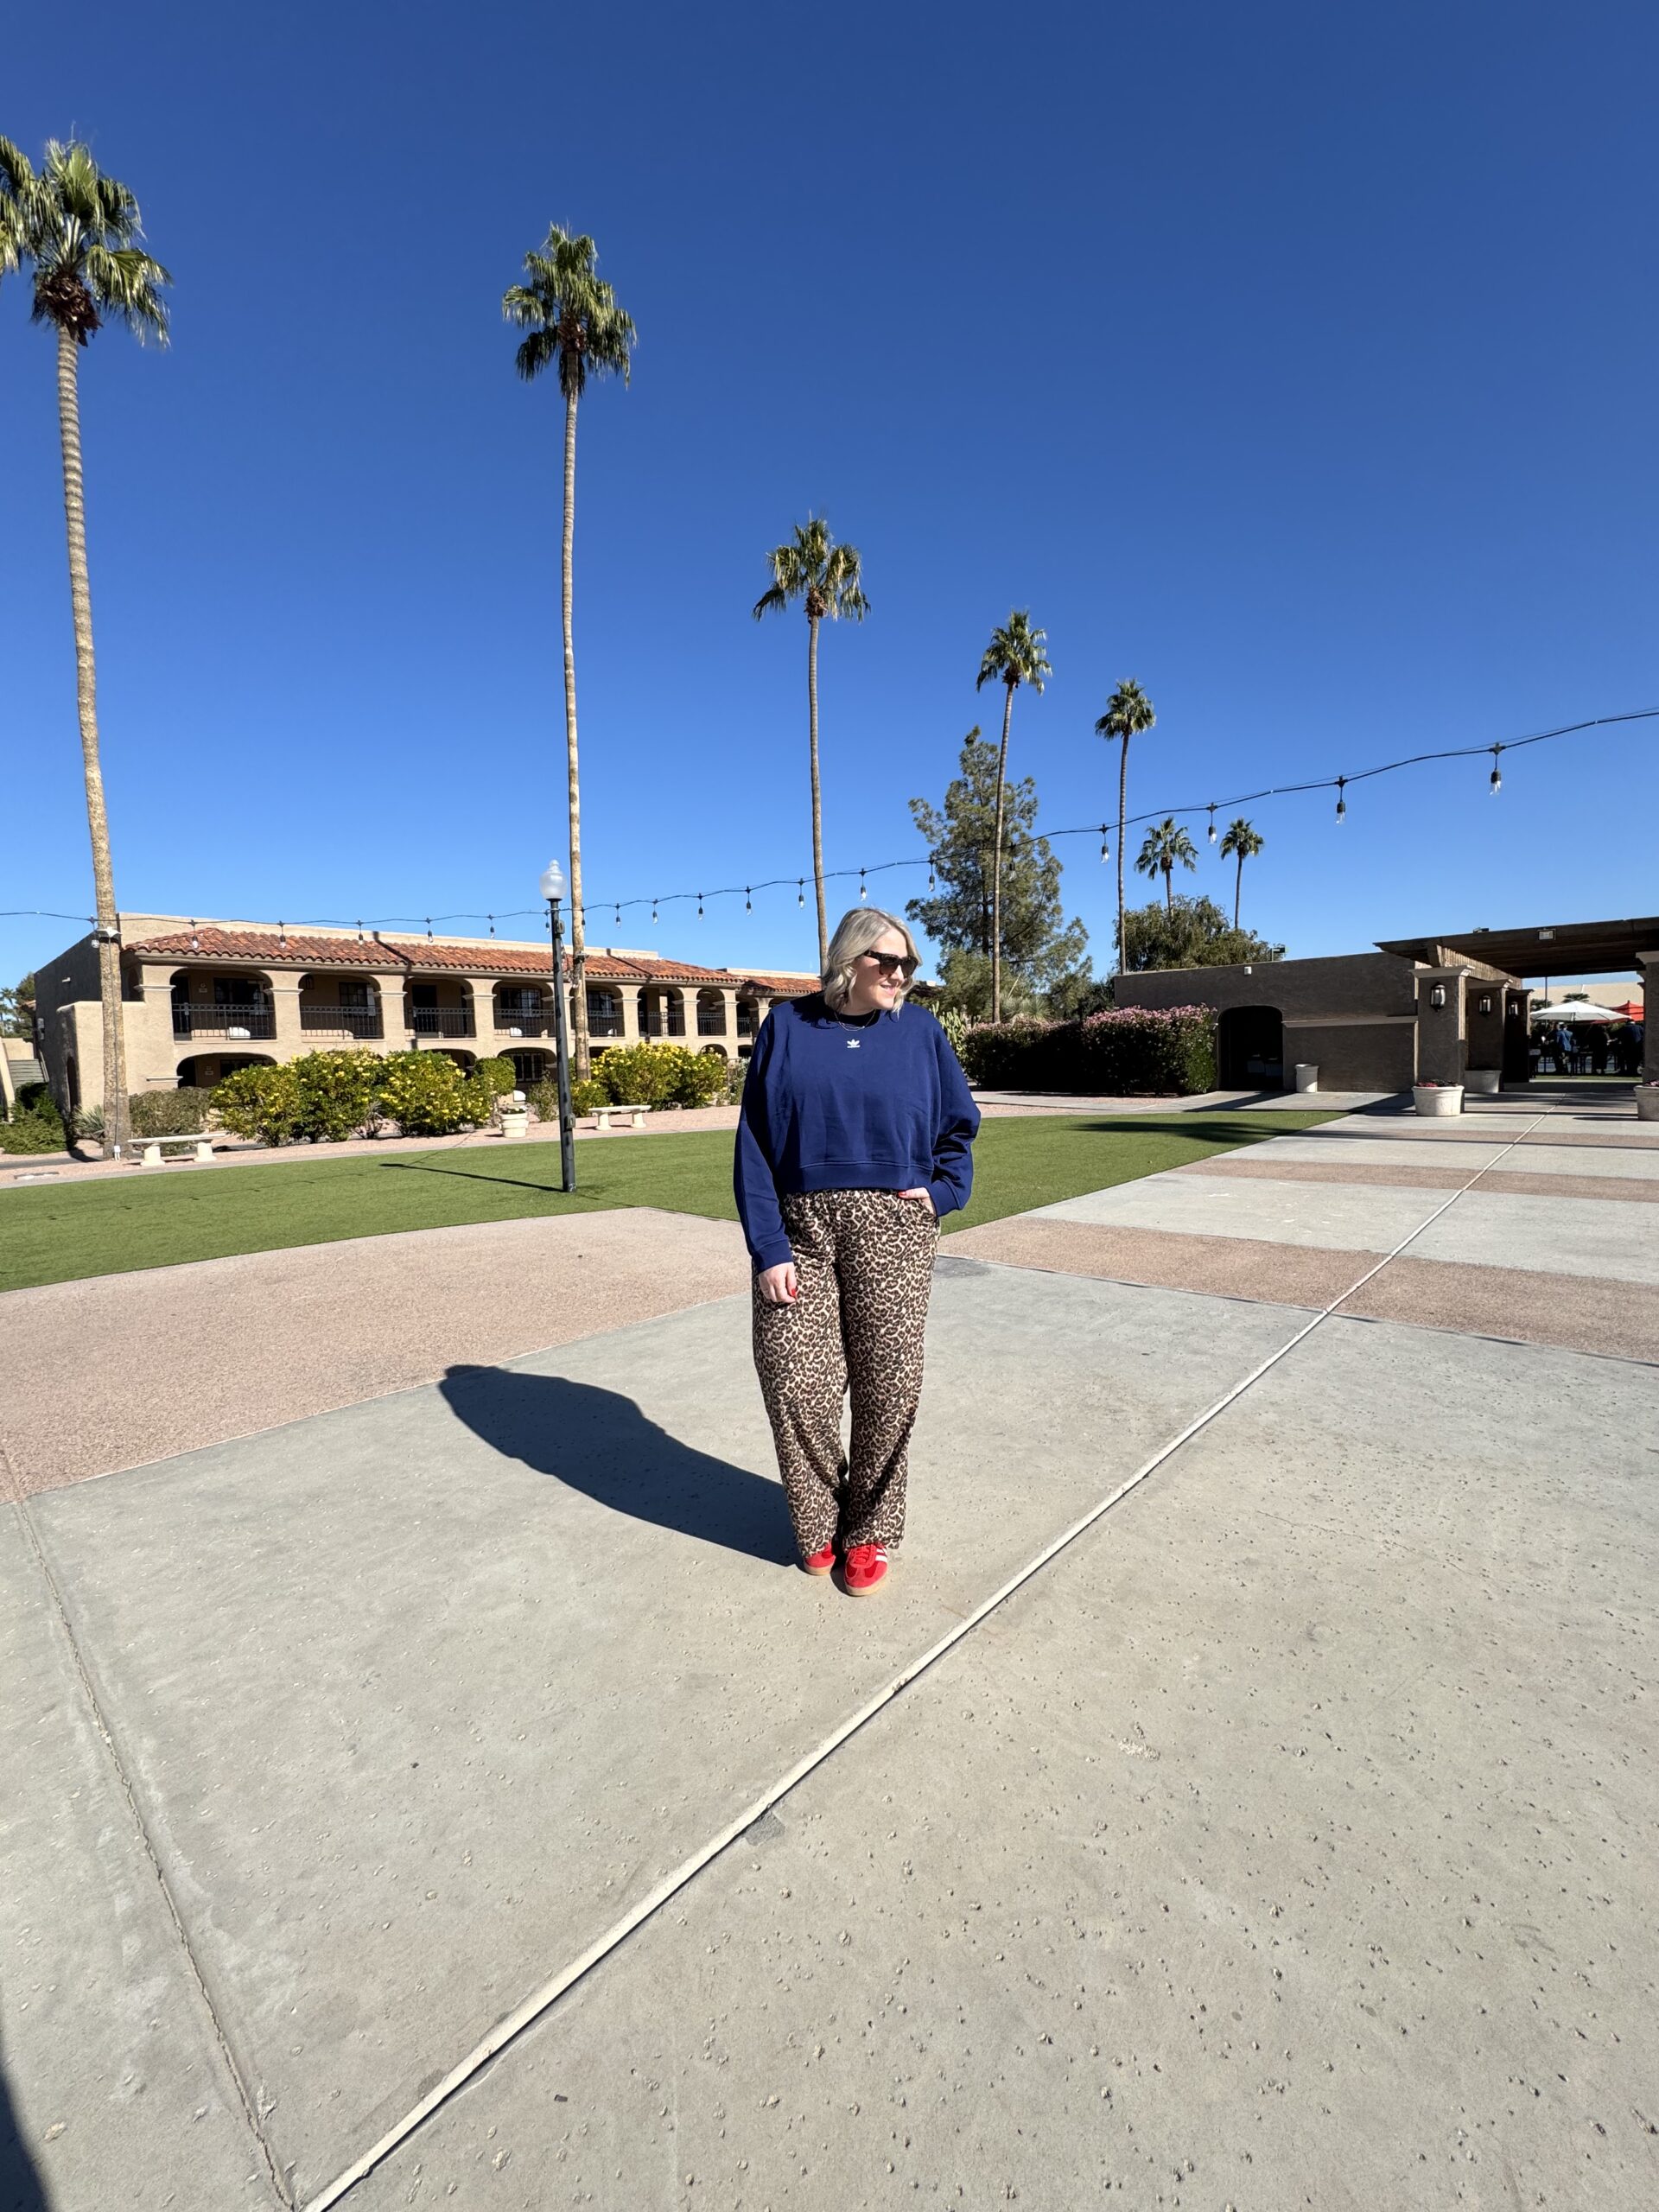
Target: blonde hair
856,931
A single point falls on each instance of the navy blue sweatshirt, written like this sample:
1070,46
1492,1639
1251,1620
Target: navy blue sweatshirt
876,1103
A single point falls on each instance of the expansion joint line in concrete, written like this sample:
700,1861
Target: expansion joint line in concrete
89,1690
541,2000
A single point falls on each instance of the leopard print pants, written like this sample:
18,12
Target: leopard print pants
865,1262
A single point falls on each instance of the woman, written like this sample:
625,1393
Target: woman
855,1136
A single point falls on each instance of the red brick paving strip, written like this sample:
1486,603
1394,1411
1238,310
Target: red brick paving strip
1222,1267
1578,1313
1503,1181
124,1369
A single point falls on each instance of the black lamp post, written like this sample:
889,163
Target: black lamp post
553,891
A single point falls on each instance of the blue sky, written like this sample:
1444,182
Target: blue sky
1297,361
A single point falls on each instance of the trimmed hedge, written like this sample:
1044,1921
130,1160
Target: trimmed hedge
1127,1051
168,1113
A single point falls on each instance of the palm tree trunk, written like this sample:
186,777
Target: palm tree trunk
996,864
1122,816
98,822
817,799
578,921
1238,886
1169,890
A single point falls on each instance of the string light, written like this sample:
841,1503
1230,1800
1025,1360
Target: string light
699,905
196,941
1209,807
864,890
748,900
429,929
1105,846
360,928
490,919
1212,824
281,937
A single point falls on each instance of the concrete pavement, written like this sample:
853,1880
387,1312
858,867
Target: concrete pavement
1277,1836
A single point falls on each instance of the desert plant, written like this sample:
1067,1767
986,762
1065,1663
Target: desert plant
699,1080
426,1094
339,1095
167,1113
585,1098
35,1125
262,1103
954,1022
646,1074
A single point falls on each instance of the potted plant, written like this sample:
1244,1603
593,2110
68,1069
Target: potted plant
513,1114
1647,1102
1436,1099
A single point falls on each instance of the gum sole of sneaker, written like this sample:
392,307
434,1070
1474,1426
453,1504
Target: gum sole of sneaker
817,1572
864,1589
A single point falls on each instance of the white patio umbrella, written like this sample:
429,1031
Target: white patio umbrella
1574,1010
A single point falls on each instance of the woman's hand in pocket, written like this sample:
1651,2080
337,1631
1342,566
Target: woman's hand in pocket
780,1285
922,1195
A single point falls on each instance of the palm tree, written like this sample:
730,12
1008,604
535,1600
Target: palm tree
1129,712
570,317
1165,845
824,576
77,230
1014,656
1245,843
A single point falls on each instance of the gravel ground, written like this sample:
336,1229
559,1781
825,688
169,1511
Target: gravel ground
121,1370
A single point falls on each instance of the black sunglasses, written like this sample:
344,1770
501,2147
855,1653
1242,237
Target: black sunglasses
892,963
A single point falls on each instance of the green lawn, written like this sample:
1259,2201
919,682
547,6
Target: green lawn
159,1219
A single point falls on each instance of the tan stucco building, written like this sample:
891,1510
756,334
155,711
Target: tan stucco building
1416,1010
202,997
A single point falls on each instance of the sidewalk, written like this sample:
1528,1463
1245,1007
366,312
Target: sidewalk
1265,1819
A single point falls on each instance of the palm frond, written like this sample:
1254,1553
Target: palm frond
810,565
573,313
80,229
1016,654
1129,713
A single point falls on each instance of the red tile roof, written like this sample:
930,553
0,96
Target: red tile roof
422,955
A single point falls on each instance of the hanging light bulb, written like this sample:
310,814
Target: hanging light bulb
281,937
618,921
699,905
930,872
862,890
1212,825
1342,803
748,899
800,890
1105,848
653,913
196,941
490,918
429,929
360,932
1496,782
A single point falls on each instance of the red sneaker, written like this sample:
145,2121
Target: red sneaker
865,1569
821,1562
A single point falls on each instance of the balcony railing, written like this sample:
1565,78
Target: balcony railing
343,1020
441,1020
663,1025
220,1020
711,1021
535,1024
606,1025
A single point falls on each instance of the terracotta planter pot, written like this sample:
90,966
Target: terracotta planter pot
1444,1098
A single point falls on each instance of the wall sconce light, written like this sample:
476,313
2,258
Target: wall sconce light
1437,996
1485,1002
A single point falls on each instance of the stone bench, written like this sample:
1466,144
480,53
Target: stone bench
636,1116
150,1149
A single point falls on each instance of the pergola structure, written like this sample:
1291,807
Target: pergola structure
1467,957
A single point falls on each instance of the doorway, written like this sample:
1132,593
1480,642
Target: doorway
1250,1048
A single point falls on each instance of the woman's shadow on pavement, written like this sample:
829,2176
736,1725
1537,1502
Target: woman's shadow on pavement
599,1443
